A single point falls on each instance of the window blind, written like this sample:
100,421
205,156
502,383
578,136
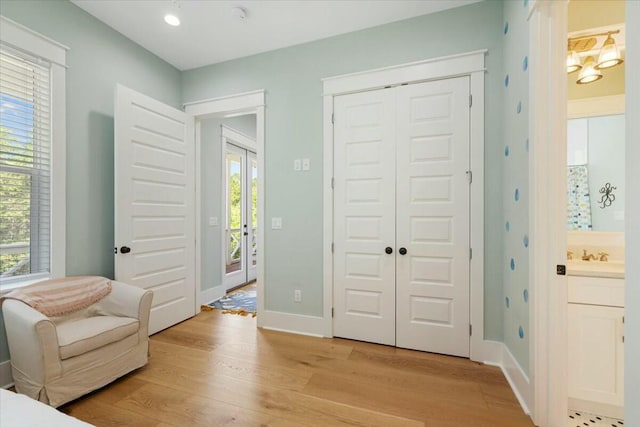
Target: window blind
25,164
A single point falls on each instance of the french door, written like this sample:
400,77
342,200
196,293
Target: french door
241,215
401,216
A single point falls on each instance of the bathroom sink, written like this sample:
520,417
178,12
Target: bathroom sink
613,269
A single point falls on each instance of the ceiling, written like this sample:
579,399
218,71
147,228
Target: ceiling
210,33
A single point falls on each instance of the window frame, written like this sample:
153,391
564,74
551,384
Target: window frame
21,38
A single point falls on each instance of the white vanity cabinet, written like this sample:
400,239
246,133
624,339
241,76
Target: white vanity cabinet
596,344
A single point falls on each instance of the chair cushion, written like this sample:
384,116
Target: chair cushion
83,335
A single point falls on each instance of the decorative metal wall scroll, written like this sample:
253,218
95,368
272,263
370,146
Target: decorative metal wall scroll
607,195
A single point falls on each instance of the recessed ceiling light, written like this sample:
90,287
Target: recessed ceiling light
172,20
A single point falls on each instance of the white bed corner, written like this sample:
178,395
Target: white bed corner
18,410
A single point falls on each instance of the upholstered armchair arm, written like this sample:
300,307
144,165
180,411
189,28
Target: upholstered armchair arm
128,301
33,345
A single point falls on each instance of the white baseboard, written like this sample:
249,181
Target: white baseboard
209,295
294,323
6,379
492,352
497,354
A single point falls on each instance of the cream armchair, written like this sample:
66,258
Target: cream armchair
56,360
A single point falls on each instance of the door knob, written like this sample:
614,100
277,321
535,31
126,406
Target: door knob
403,251
125,249
388,250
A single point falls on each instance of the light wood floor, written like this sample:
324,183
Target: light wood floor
219,369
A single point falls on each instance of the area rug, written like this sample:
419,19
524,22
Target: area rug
241,302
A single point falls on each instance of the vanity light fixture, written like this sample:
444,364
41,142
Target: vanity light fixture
609,56
573,62
589,72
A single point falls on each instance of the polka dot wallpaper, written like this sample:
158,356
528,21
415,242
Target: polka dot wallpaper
516,180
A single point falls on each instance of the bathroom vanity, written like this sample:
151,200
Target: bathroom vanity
596,329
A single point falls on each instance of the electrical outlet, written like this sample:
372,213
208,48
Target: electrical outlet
306,164
213,220
296,165
297,295
276,223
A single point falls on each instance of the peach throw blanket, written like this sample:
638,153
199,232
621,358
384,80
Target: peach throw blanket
59,297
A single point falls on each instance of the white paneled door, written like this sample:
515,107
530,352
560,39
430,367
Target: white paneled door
432,208
155,204
401,216
364,217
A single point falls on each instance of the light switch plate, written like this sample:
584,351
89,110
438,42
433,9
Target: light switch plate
296,165
276,223
306,164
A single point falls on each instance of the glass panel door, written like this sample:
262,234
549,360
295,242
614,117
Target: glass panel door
252,220
235,257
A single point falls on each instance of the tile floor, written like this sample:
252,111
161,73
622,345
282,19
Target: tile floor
583,419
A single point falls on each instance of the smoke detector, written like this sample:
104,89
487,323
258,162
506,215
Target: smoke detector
239,13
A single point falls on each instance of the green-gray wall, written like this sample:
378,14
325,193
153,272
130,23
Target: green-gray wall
291,78
515,180
98,58
211,165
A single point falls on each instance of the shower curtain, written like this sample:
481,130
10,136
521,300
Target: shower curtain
578,198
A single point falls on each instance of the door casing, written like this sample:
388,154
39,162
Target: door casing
470,64
232,105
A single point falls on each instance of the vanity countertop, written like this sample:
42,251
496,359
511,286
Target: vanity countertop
610,269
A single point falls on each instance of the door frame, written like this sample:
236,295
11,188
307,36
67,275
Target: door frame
548,25
238,139
470,64
226,106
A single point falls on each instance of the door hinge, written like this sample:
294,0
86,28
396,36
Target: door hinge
470,100
469,176
333,182
470,330
115,250
331,247
470,253
333,118
331,311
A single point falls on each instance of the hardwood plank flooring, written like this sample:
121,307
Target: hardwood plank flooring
220,370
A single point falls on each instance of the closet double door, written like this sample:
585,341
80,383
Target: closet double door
401,216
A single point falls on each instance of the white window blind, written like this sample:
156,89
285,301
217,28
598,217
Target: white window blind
25,164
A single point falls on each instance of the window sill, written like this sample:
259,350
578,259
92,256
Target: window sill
5,288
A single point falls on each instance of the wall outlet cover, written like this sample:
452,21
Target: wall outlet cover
306,164
297,295
213,220
296,165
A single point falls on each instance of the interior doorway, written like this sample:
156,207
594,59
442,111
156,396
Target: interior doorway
210,115
240,206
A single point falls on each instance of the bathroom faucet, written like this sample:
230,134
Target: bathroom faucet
569,255
603,256
587,257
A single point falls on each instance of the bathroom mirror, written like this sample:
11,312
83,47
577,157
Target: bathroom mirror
595,173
